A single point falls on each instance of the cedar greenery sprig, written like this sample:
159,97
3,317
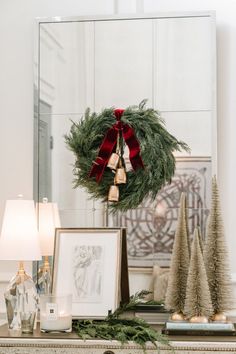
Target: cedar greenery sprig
135,300
156,143
122,329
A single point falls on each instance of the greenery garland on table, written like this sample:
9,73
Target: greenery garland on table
156,150
122,329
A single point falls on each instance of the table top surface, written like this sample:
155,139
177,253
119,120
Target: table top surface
5,333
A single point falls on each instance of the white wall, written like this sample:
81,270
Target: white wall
16,90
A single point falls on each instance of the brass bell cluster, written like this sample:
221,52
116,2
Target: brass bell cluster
115,163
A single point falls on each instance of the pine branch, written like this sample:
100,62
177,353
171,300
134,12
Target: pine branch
135,330
122,329
135,300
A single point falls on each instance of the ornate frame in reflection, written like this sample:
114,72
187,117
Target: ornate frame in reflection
87,264
151,227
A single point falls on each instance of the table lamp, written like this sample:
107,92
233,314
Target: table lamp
19,242
48,221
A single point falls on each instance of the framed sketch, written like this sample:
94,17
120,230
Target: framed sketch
88,265
151,227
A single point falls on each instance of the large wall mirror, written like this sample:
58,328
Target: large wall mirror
101,62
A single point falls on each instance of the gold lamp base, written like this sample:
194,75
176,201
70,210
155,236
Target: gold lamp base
198,319
44,277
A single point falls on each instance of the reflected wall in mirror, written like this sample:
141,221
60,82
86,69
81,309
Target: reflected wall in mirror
98,63
151,227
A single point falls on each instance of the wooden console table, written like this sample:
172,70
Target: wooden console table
45,343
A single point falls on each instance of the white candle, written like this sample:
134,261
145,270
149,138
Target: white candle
61,323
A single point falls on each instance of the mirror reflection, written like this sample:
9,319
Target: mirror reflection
170,61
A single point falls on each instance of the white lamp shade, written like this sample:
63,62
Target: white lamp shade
48,220
19,239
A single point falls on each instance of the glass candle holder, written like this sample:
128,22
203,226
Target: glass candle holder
55,313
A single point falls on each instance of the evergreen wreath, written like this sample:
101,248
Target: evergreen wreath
156,150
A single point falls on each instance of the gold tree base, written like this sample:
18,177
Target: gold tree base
198,319
177,316
219,317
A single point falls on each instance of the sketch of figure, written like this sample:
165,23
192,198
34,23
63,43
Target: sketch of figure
87,272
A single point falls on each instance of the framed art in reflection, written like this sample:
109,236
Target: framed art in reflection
151,227
88,264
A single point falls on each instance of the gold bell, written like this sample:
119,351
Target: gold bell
113,161
113,195
120,176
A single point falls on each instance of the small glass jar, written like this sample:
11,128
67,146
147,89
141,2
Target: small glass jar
55,313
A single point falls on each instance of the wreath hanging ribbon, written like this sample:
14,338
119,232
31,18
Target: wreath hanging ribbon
109,143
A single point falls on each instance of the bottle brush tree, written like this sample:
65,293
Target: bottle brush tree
198,306
176,290
200,239
187,226
216,259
